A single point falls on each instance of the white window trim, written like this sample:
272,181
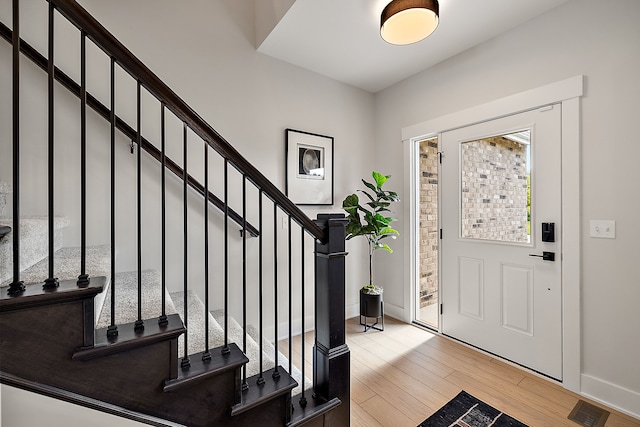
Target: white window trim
568,93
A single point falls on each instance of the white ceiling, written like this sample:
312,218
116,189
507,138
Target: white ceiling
340,38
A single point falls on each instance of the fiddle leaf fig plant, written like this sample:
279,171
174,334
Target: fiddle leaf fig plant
372,219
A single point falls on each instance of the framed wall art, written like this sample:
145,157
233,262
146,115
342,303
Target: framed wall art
309,163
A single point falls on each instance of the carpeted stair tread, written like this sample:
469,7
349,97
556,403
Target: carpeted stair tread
253,350
195,324
67,265
216,334
5,191
34,243
126,285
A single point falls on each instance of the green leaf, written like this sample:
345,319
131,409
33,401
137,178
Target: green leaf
385,247
381,220
350,202
370,186
379,178
389,197
388,231
368,195
392,194
353,228
367,230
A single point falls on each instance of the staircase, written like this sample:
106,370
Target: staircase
138,323
98,264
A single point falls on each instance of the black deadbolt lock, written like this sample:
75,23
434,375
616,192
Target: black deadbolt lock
548,232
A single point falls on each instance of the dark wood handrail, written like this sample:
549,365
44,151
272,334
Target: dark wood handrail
73,87
77,15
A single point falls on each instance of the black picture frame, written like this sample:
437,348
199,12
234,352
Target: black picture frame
309,167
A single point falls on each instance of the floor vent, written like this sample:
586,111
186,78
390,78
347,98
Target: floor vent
588,415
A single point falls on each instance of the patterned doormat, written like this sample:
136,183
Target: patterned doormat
465,410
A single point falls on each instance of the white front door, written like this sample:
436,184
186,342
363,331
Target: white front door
501,290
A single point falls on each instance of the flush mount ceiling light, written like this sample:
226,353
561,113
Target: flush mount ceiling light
408,21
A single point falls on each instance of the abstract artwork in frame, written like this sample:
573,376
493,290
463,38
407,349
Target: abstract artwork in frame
309,162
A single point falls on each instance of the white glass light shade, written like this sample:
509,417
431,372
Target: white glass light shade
408,21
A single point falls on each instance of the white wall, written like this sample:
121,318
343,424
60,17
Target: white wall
582,37
52,412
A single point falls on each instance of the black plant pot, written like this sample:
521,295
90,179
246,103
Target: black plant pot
371,305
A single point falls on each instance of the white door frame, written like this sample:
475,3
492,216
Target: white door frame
567,93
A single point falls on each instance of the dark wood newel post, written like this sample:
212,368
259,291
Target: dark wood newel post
331,353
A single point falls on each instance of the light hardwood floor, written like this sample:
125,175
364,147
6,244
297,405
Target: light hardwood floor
402,375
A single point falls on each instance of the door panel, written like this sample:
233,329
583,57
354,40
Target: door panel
517,298
471,287
500,180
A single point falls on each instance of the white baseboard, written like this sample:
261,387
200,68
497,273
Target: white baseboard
626,401
352,310
393,311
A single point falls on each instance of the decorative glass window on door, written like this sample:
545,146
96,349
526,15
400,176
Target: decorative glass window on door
495,188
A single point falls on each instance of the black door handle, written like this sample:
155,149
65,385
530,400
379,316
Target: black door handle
547,256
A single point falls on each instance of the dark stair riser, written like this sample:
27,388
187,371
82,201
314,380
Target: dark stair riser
271,389
315,413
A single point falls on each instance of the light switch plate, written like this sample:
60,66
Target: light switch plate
602,229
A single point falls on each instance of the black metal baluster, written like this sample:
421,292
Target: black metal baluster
163,319
139,325
225,348
276,371
83,278
290,293
51,282
303,399
245,385
17,286
112,330
185,363
206,356
260,291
